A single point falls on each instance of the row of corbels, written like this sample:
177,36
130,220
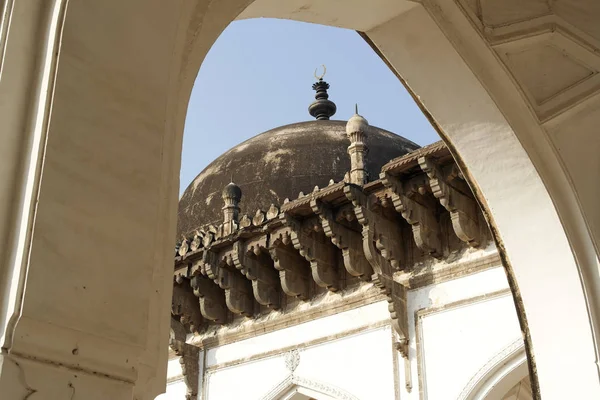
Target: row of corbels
205,236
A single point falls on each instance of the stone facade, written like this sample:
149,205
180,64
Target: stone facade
339,268
92,123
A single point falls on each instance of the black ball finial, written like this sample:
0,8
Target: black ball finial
322,108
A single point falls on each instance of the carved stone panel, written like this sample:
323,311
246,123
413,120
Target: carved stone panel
460,204
308,238
347,240
292,267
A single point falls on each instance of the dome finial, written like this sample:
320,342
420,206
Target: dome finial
356,108
322,108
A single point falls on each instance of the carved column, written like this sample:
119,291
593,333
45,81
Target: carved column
460,204
347,240
251,260
418,211
308,238
293,271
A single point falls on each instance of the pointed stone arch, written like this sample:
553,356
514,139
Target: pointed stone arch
502,372
293,384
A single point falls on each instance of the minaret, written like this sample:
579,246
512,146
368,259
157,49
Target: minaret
322,108
232,195
356,130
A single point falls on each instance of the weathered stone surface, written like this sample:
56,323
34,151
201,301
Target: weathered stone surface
279,164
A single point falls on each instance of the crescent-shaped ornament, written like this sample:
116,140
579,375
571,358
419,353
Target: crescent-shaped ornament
323,74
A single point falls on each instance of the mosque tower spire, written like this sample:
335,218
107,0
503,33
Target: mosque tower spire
232,195
357,129
322,108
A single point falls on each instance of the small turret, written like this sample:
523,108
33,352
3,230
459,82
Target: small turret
356,130
232,195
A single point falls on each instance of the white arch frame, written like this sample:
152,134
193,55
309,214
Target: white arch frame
491,129
498,375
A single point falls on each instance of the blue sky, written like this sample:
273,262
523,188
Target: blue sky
259,74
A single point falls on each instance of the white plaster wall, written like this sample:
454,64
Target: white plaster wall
465,322
458,342
176,388
175,391
360,364
299,334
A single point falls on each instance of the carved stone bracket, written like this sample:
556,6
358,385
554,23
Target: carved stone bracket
396,295
462,208
189,357
238,291
252,261
418,212
212,299
382,242
184,305
308,238
347,240
293,271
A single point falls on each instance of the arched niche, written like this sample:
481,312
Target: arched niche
298,388
497,379
94,97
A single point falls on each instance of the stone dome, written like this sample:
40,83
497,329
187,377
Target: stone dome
279,164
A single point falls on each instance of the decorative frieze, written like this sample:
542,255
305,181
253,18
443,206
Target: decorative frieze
460,204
